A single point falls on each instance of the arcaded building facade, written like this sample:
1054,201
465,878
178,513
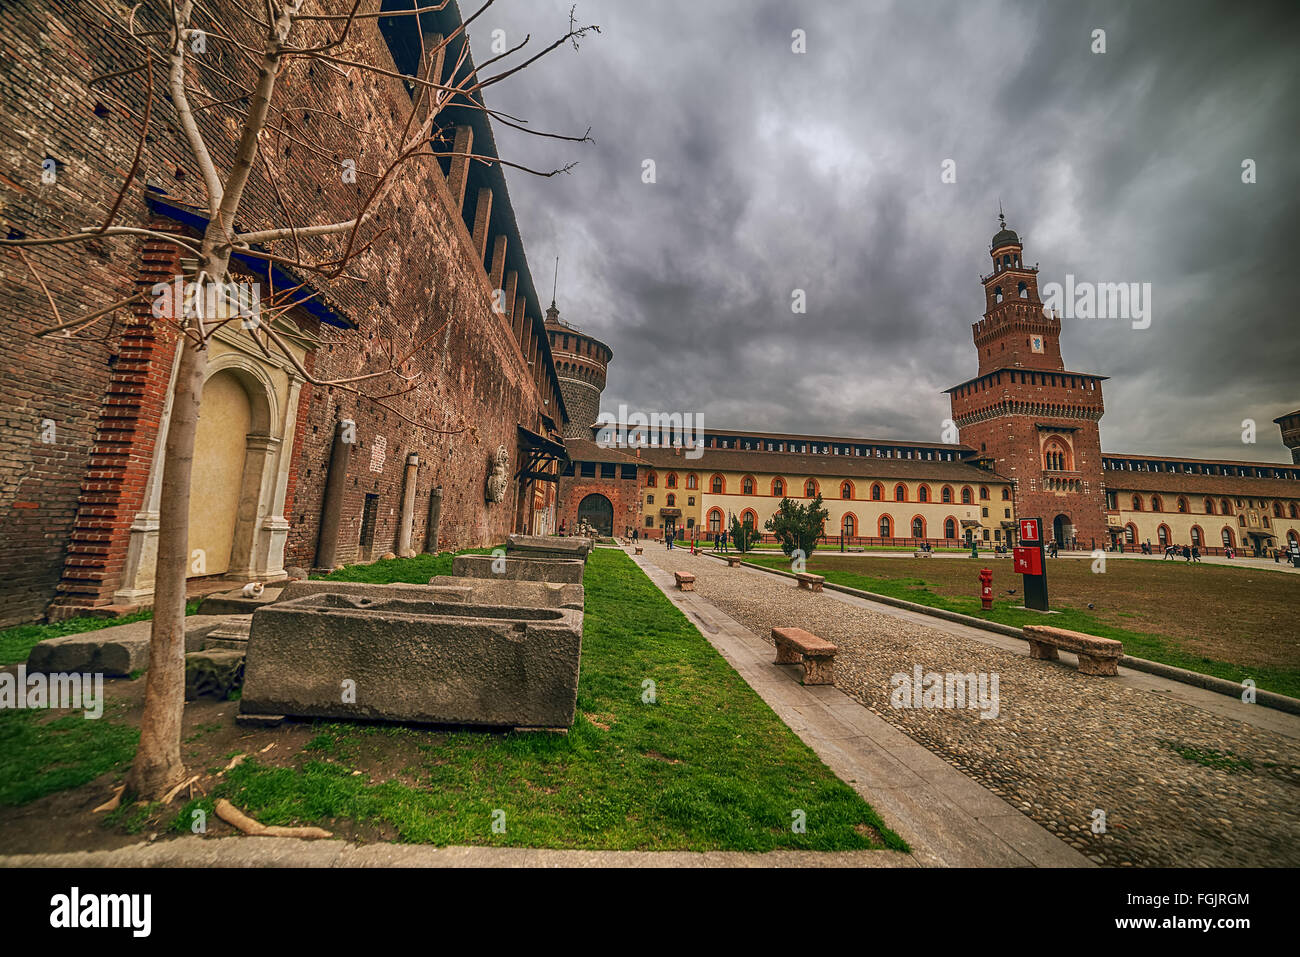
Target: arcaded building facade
1028,445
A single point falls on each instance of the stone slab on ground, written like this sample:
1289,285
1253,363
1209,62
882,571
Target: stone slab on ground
192,851
549,546
214,673
482,591
518,568
416,658
233,603
115,652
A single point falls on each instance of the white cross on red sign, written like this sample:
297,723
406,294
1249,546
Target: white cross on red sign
1028,530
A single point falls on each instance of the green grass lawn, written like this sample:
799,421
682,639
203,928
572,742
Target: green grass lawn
418,569
705,765
1140,644
708,765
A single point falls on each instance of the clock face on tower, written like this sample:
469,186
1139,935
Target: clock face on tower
1036,343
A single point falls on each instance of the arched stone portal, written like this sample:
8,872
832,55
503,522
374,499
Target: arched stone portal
597,511
220,446
1062,530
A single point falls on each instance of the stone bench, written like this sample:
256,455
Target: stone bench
734,561
685,581
920,554
794,646
640,549
810,581
1097,656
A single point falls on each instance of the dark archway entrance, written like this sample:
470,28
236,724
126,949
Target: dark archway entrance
1062,530
598,513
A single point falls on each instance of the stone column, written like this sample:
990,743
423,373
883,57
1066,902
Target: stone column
498,262
331,513
435,519
406,523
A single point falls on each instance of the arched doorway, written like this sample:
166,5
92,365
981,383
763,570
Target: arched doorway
597,511
220,446
1062,530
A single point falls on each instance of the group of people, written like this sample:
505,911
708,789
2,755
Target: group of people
1190,553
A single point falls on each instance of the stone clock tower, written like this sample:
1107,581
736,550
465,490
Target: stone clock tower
1029,418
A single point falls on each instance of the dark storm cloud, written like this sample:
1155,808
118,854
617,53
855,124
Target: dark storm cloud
821,172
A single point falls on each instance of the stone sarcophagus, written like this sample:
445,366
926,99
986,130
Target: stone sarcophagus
410,654
518,568
549,546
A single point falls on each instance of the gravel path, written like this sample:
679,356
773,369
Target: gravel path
1063,744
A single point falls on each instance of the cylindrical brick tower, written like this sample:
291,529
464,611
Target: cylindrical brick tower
580,363
1290,425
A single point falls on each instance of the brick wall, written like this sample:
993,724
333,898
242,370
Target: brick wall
420,273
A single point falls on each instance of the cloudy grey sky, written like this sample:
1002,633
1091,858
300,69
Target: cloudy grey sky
821,171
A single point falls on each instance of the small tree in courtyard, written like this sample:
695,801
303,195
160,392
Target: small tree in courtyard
797,527
743,534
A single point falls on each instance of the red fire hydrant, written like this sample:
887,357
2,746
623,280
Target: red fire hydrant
986,588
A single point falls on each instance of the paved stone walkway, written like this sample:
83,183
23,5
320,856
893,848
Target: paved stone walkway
1184,776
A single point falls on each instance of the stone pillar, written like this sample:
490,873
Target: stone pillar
458,174
331,513
482,220
512,290
406,524
517,323
435,520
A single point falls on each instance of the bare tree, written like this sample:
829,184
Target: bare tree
275,37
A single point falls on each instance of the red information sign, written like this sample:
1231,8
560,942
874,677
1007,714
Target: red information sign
1028,530
1028,561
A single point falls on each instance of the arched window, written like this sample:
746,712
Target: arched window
1293,511
810,489
747,485
717,485
692,481
1227,537
900,493
650,498
1130,534
950,528
748,518
984,493
849,526
1023,290
1182,504
997,293
877,492
918,527
1157,503
715,520
923,493
1196,536
947,495
966,497
778,487
1056,455
1162,533
1137,503
1209,506
672,500
1277,509
1006,494
650,480
1226,507
885,527
672,480
846,490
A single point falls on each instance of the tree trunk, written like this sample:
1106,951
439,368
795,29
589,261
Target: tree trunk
157,766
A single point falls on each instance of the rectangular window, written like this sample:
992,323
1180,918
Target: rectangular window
369,513
588,469
627,471
606,469
568,469
649,521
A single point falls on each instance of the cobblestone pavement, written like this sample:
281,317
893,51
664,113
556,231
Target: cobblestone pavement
1179,786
